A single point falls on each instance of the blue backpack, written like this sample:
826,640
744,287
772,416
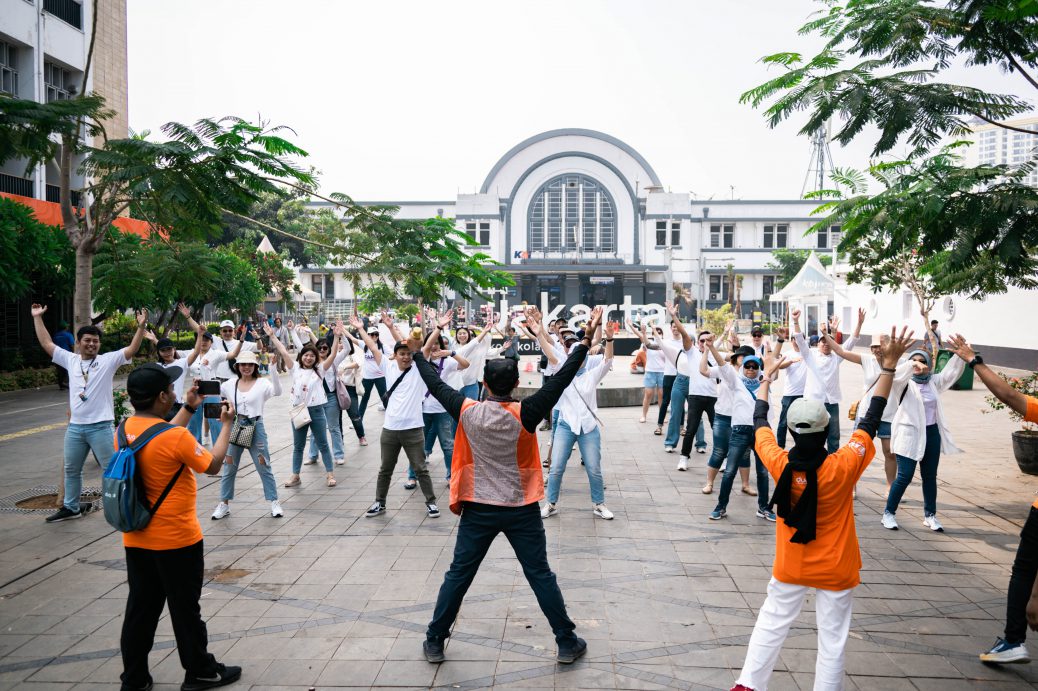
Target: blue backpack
123,497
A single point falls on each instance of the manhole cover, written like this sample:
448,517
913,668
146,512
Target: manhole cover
44,499
225,575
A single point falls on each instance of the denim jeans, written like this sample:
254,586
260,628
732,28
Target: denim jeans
833,442
331,414
437,425
927,468
194,425
260,452
678,393
1021,582
780,433
739,443
369,384
590,444
80,440
470,391
697,405
722,432
668,387
354,411
523,528
320,426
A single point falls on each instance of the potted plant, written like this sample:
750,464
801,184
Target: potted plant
121,406
1025,439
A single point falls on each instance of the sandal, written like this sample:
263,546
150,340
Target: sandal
749,491
659,431
708,488
294,482
331,482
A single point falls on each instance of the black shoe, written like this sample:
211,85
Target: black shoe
433,649
148,687
65,514
376,508
223,676
569,652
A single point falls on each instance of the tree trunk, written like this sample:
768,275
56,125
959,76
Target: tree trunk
82,304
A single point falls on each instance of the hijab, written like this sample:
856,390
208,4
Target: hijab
922,378
751,383
807,456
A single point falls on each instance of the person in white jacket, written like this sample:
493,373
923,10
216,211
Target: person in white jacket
920,434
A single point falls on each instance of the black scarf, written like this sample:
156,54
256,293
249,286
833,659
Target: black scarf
806,456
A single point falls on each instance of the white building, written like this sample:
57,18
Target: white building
994,145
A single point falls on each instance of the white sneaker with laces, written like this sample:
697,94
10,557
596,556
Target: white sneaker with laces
668,449
275,509
931,522
683,463
602,512
888,520
222,509
548,510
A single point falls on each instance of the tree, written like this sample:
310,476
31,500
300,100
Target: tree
881,67
716,320
787,264
34,258
285,210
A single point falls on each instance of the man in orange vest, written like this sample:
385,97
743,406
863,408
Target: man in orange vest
496,484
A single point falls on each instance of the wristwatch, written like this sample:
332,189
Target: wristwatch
453,353
189,409
977,360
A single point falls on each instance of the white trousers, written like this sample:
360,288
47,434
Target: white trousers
780,610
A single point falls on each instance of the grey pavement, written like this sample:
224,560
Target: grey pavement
326,598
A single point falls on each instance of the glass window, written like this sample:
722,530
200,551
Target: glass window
722,235
675,233
317,284
661,233
571,212
775,236
769,286
718,287
8,74
484,233
59,82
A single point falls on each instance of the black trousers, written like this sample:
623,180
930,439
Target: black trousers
668,386
1025,568
697,405
524,529
164,577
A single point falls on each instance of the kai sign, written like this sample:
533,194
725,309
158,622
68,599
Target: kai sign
651,313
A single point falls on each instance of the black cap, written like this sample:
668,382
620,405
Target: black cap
207,336
148,381
580,334
165,343
401,345
757,331
501,375
742,351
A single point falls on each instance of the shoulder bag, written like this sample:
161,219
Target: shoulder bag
244,429
385,399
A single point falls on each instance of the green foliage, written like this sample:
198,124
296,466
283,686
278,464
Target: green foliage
288,212
407,311
715,320
973,230
33,131
27,379
272,271
1027,385
35,259
787,263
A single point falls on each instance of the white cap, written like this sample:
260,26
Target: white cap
805,416
226,323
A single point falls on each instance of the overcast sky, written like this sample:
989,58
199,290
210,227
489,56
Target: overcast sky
417,100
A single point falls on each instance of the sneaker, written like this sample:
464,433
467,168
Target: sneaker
375,509
363,441
717,514
548,510
64,514
683,463
433,510
602,512
410,484
222,509
340,461
223,676
701,449
765,514
931,522
310,460
546,463
569,653
1004,653
888,520
641,419
668,449
275,509
433,650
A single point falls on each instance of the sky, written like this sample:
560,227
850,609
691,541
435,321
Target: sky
411,100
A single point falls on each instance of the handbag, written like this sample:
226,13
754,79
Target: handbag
244,429
300,415
852,412
342,395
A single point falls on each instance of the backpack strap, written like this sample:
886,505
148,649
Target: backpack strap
139,443
169,488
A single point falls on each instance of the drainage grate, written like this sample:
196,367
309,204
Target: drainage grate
10,504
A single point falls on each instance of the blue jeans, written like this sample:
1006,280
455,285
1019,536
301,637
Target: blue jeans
260,453
331,414
780,434
678,393
320,426
590,444
927,468
739,443
98,437
722,431
470,391
194,425
438,425
833,443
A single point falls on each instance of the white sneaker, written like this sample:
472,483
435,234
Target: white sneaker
641,419
340,461
275,509
668,449
310,461
222,509
889,522
602,512
933,524
683,463
548,510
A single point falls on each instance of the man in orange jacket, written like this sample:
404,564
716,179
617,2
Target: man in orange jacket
816,545
496,484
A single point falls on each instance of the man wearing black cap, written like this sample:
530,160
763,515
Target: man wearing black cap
404,426
164,560
496,484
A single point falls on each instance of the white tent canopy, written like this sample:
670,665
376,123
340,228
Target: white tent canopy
811,291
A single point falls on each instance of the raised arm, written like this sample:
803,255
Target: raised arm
193,355
395,332
533,318
280,347
357,324
42,335
998,386
888,363
329,362
847,355
686,340
138,336
450,399
186,312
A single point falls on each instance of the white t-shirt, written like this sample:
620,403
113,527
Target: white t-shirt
90,385
476,353
222,369
178,385
405,405
796,378
578,406
449,372
306,386
674,363
698,385
370,369
654,359
250,403
204,366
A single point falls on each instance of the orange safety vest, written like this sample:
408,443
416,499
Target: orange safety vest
496,461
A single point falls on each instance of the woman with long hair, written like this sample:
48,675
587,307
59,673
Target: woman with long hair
373,375
249,392
332,411
348,370
167,356
308,391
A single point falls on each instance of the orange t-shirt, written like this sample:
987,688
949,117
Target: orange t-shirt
175,524
832,561
1031,415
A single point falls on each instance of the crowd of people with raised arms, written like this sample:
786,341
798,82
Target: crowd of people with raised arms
207,406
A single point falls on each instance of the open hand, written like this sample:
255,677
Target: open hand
897,346
38,310
443,321
150,335
596,319
183,309
958,345
142,318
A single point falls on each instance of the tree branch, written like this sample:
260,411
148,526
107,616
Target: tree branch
1002,124
90,50
265,226
1019,68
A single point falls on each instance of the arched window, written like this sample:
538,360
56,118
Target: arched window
571,212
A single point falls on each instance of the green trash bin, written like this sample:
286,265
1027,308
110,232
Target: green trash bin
965,381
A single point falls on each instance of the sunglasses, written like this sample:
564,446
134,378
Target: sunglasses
751,365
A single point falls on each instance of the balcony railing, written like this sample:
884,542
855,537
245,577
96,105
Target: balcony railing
54,195
15,185
69,11
571,256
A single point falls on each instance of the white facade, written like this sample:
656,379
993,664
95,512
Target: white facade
994,145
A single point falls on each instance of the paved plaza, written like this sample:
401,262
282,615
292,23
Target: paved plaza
326,598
